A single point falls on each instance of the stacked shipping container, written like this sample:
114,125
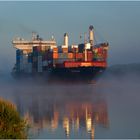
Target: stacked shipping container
40,60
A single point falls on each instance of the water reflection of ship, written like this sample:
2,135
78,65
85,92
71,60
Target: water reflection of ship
53,109
70,116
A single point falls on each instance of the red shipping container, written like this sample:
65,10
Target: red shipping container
79,55
100,50
89,56
70,55
55,55
55,49
89,52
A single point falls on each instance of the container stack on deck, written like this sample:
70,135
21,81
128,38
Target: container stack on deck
82,56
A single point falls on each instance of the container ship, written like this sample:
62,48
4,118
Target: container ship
39,56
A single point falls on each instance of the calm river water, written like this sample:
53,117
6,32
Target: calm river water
108,107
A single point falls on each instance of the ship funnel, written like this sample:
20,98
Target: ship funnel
66,40
91,35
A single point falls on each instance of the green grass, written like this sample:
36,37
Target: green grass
12,126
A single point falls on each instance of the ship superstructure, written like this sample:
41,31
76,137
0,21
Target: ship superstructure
39,56
27,46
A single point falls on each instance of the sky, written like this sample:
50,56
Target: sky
115,22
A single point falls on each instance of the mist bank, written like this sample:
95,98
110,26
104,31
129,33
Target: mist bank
115,72
117,87
123,76
122,70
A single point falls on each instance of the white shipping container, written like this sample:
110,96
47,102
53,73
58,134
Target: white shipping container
39,66
74,46
87,45
64,46
51,47
39,60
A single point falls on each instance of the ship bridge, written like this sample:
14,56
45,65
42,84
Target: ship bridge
27,46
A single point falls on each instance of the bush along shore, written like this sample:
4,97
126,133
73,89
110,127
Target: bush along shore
12,126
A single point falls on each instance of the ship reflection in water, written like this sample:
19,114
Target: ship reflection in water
53,114
71,117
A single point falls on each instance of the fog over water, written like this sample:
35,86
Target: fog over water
113,99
